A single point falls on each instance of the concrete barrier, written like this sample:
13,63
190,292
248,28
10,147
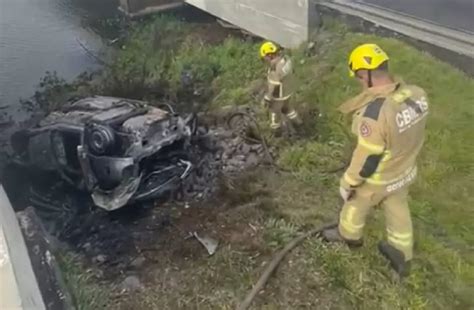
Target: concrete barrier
453,46
30,278
19,289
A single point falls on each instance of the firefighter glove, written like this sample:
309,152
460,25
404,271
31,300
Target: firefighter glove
346,194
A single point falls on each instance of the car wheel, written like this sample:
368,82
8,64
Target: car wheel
101,139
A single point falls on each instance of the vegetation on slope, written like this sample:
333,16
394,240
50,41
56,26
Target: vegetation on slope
157,59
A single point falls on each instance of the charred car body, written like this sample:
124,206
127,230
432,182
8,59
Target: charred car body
119,150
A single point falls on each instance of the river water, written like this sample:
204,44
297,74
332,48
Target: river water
43,35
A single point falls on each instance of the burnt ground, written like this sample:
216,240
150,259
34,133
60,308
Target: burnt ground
125,239
138,253
148,260
137,241
152,252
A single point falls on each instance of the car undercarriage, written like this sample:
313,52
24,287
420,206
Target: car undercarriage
119,150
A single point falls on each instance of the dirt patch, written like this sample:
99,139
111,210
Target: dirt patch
136,238
154,246
177,267
211,33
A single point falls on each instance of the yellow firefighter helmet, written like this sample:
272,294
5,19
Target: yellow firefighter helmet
366,57
268,48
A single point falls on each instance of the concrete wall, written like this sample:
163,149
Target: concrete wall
284,21
18,287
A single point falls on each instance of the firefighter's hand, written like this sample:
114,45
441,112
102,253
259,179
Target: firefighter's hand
346,194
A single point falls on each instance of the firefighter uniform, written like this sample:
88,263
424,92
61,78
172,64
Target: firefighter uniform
280,88
389,122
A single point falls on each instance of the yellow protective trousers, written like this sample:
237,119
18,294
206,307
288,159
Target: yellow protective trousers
281,108
397,216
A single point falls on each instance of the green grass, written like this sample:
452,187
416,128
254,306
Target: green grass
440,200
157,53
88,292
318,276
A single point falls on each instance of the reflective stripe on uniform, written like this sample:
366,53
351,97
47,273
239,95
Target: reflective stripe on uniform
402,239
274,124
350,227
273,82
400,96
346,221
405,177
274,118
292,115
378,149
377,176
282,98
350,180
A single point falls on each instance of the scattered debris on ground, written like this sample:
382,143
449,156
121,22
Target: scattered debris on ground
209,243
120,242
130,284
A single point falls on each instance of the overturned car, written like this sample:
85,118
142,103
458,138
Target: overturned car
119,150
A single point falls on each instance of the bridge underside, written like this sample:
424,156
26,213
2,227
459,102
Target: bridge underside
136,8
284,21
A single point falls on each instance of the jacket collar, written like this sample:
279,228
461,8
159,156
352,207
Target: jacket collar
367,96
276,61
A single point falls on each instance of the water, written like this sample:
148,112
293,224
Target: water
42,35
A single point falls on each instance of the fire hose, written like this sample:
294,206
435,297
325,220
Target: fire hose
280,255
277,258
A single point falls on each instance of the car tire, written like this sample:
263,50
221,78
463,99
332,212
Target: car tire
101,139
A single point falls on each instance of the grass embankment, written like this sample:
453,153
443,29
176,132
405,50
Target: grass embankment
318,276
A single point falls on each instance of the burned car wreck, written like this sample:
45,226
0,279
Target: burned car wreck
120,151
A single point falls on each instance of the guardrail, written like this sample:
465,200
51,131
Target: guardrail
453,46
458,41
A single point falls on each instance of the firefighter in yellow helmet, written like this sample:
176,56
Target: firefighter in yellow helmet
389,119
280,88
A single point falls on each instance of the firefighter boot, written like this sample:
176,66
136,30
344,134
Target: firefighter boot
396,258
293,116
290,131
333,235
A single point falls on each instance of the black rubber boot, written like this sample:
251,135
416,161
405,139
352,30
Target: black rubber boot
333,235
396,258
